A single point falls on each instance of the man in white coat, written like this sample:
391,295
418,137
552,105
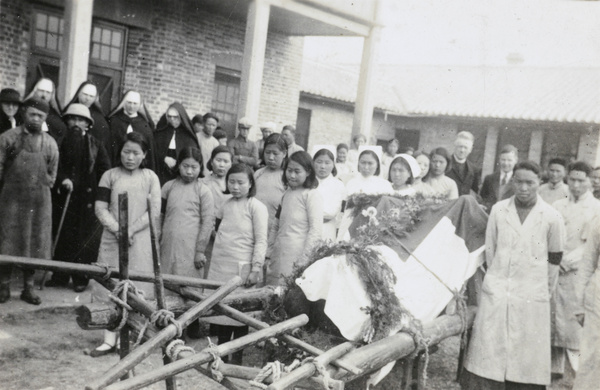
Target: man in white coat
588,375
510,345
578,211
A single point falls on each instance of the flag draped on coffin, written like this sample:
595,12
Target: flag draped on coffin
448,241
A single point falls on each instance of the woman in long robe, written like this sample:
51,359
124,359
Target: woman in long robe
174,132
131,115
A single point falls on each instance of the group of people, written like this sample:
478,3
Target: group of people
237,207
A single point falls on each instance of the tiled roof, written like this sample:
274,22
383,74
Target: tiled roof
545,94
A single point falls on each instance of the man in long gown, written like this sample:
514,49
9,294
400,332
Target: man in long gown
82,162
510,345
28,166
45,90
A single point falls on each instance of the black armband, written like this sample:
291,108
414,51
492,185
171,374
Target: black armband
554,258
103,194
343,206
217,223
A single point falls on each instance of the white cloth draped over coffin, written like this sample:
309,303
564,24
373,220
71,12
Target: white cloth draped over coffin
449,241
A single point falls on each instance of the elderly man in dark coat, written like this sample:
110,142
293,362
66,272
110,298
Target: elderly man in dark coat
82,162
28,165
87,94
464,172
45,90
174,132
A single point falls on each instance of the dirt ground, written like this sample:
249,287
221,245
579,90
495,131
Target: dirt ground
45,350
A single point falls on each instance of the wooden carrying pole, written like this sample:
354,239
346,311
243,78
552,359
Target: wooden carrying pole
373,356
159,289
206,355
124,267
164,336
106,315
97,271
256,324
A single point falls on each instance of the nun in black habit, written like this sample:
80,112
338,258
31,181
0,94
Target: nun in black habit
131,115
174,132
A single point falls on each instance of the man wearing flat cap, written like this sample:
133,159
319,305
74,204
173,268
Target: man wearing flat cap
242,149
83,160
28,166
10,101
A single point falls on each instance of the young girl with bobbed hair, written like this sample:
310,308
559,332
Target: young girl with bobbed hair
299,221
240,245
140,184
269,179
441,163
188,217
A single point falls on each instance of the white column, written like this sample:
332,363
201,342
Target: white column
75,53
489,153
363,109
255,44
535,146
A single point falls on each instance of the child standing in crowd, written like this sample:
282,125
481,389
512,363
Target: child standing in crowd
419,185
332,191
219,164
440,183
357,141
189,217
240,245
403,170
269,179
139,184
345,170
299,220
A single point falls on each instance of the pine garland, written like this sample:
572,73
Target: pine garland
386,311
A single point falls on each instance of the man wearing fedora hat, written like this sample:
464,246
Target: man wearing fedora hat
83,160
28,165
10,101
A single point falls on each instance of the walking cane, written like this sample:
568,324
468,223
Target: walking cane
60,225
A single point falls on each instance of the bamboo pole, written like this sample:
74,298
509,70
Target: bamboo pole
103,315
124,267
256,324
100,271
164,336
206,356
159,289
372,357
309,369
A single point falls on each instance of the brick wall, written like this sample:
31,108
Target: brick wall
15,20
173,61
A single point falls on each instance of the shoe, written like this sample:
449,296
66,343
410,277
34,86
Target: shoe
54,283
28,296
99,352
79,289
4,292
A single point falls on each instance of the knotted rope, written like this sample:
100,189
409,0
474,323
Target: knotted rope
321,370
119,296
175,347
161,319
107,270
275,369
214,365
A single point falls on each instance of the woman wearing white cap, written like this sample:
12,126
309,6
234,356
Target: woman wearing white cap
402,173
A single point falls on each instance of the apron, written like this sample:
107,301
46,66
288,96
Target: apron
26,211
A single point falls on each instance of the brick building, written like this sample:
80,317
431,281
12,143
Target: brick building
544,112
235,58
